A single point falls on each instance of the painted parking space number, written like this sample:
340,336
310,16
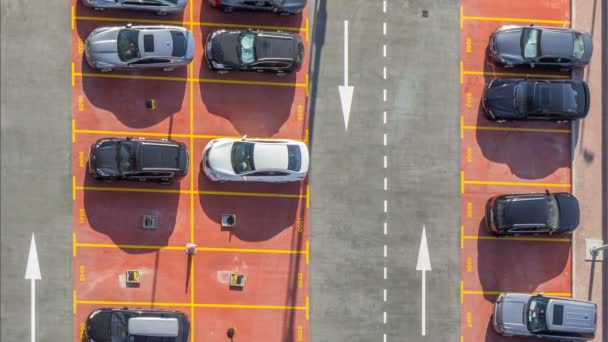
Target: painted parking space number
469,99
469,264
300,225
82,276
469,319
300,333
81,216
468,46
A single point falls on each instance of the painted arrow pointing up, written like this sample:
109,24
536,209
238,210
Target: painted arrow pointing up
32,273
423,264
346,91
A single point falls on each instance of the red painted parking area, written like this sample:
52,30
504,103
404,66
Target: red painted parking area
499,158
269,242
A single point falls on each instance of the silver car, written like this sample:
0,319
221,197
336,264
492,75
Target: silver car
554,318
273,161
160,7
139,47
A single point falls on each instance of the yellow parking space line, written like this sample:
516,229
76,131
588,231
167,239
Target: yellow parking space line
73,131
516,238
461,17
120,303
461,292
550,294
246,306
131,77
73,188
307,86
516,20
307,196
74,302
531,184
307,29
183,248
462,182
461,72
126,246
131,20
461,236
515,129
251,250
307,308
241,82
189,23
73,244
461,127
73,74
196,305
307,252
186,192
72,17
510,74
249,194
143,190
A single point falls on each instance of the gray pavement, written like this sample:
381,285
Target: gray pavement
36,158
423,163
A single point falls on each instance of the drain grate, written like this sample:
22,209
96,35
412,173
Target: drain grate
228,220
150,222
425,13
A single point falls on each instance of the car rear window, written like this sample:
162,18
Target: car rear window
179,44
579,46
295,158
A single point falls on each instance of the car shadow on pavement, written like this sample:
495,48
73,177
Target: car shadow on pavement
521,266
83,14
529,155
120,214
217,17
258,218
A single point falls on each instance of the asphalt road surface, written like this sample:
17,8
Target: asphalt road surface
416,149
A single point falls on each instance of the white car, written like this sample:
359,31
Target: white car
274,161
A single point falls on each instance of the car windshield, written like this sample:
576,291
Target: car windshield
242,157
553,208
247,47
573,98
523,97
127,45
529,41
295,158
579,46
126,156
499,213
120,327
537,310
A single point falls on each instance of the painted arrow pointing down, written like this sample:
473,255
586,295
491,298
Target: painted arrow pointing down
423,264
32,272
346,91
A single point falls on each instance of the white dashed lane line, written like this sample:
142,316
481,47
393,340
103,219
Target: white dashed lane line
385,184
384,117
385,162
384,50
385,229
384,272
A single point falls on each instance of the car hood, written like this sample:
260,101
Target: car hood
569,212
99,326
500,101
224,48
102,46
293,5
508,44
219,157
104,156
512,312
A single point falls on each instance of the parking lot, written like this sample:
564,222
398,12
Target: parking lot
502,158
269,242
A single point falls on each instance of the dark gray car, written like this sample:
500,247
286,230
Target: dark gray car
160,7
513,45
139,47
554,318
283,7
523,99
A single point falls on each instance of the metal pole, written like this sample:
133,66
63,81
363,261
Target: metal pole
595,250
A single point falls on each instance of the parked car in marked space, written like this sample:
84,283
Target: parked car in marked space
538,213
553,318
274,161
564,48
249,50
160,7
525,99
139,47
132,325
141,160
283,7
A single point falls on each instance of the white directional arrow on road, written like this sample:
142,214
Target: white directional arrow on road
423,264
32,272
346,91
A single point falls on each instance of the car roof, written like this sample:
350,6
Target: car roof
159,155
270,156
162,41
276,46
573,316
523,210
556,42
154,326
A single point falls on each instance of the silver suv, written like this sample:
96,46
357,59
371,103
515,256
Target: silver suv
554,318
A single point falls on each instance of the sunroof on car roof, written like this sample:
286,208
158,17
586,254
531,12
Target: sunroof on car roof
148,43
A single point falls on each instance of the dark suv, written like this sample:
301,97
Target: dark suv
543,213
142,160
129,325
249,50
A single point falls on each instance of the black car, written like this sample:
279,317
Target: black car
283,7
523,99
143,160
513,45
128,325
543,213
248,50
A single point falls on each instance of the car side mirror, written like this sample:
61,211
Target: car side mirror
244,137
129,25
547,191
129,138
532,24
532,65
542,294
